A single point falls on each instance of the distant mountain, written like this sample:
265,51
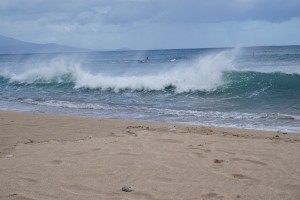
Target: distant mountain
12,46
124,49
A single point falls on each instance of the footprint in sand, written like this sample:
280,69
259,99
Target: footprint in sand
250,161
96,149
18,197
241,176
169,141
206,150
212,195
129,132
256,162
218,164
56,162
198,155
218,161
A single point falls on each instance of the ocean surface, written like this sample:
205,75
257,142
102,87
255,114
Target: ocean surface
254,87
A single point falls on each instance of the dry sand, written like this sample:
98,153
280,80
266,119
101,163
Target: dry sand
56,157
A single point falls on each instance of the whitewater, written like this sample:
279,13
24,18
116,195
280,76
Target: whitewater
254,87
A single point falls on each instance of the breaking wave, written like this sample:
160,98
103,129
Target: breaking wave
203,74
214,73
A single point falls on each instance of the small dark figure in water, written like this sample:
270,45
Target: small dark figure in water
143,61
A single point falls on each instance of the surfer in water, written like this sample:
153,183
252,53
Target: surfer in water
143,61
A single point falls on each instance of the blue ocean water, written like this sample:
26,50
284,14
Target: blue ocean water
256,88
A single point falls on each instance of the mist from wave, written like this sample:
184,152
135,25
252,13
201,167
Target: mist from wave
202,74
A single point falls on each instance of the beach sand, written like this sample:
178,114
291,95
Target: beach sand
58,157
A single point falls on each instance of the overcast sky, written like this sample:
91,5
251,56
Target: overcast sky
152,24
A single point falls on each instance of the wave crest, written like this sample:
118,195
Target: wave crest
204,74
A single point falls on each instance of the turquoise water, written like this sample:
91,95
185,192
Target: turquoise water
257,88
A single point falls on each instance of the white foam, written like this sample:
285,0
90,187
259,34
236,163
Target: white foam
45,71
204,73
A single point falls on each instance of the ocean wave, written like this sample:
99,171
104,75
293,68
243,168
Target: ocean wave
213,73
261,81
203,74
234,83
228,82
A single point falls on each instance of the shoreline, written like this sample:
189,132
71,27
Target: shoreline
251,128
46,156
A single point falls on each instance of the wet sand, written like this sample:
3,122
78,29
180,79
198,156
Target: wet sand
59,157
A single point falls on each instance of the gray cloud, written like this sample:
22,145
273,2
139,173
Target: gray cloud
130,11
147,23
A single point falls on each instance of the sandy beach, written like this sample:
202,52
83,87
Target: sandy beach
59,157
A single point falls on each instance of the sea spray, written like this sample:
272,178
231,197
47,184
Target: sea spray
204,74
41,70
